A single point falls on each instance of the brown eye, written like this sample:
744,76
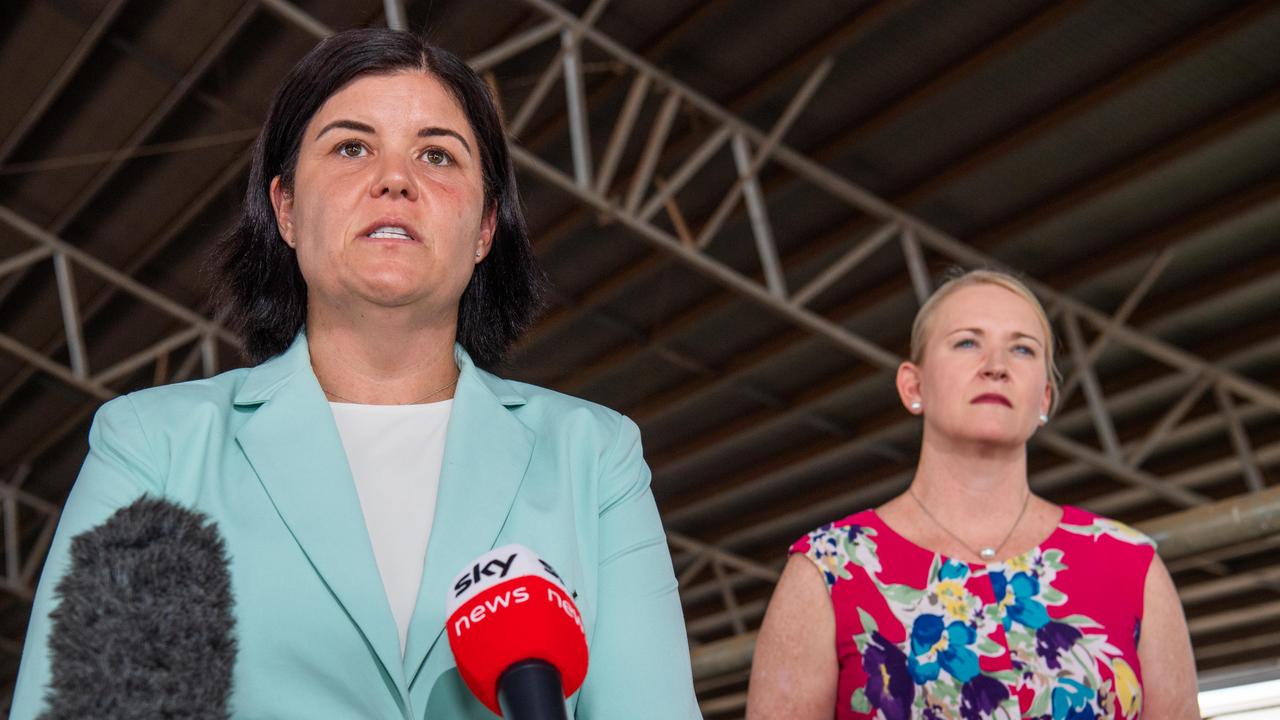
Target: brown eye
436,156
351,149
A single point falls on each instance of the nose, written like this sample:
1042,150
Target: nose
995,369
394,179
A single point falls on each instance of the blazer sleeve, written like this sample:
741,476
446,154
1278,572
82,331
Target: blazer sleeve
639,664
118,469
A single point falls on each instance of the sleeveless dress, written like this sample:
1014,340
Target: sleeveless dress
1052,633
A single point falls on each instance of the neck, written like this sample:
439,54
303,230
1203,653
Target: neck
960,483
381,358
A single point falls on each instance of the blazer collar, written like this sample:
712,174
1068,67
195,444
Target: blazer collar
487,451
294,447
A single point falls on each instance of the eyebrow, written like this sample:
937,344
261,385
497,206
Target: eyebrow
1018,335
347,125
368,129
438,131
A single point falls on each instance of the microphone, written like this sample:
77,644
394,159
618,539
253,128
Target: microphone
143,625
516,635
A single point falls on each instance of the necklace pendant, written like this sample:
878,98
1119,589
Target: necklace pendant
987,553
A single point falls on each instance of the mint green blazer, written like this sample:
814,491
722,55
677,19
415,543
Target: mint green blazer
257,450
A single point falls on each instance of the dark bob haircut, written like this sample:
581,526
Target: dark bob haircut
258,285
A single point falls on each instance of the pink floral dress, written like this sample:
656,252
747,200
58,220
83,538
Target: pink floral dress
1052,633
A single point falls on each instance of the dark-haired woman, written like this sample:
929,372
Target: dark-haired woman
378,273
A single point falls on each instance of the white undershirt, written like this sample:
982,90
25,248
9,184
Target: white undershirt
395,453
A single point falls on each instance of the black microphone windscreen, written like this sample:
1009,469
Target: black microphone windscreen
143,626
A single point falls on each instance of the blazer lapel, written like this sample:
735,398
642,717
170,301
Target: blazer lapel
487,451
293,445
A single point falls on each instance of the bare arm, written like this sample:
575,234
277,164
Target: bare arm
1168,668
793,673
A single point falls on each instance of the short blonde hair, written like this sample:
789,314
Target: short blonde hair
961,279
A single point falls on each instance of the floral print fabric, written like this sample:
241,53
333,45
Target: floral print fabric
1050,634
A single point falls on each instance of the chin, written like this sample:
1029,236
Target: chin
391,291
1000,440
992,435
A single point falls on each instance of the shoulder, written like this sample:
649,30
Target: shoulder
833,534
1083,523
155,418
552,401
1105,546
547,411
217,390
180,403
838,547
576,437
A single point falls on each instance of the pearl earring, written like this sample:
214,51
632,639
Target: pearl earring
915,406
1043,418
477,253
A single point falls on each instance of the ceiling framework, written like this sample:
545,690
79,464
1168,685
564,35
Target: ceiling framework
737,234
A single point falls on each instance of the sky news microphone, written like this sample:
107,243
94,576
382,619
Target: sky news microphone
143,626
516,635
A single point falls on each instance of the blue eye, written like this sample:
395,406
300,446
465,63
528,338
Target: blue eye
352,149
966,343
436,156
1025,350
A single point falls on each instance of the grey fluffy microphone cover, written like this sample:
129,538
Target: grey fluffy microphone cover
143,626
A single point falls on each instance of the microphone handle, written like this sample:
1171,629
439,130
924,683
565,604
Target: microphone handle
531,690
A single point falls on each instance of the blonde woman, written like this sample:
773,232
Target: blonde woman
967,596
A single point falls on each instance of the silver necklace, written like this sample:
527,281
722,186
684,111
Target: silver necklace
424,398
987,553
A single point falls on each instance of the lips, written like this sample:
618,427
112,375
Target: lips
392,229
993,398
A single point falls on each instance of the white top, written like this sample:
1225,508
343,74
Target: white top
395,453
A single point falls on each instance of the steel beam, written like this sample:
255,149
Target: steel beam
622,130
70,315
1138,453
916,267
761,230
514,45
64,254
579,140
1237,519
111,275
750,171
1056,115
1240,441
859,198
687,170
298,17
397,18
53,90
20,562
1121,315
158,115
849,260
153,248
1094,398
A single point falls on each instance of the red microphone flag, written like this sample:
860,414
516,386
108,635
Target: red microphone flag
508,606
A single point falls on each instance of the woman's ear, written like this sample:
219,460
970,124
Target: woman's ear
282,204
908,382
488,226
